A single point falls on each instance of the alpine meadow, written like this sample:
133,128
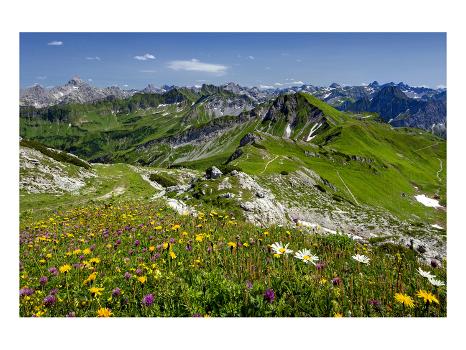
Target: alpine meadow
268,196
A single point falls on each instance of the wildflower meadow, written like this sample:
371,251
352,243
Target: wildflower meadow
137,259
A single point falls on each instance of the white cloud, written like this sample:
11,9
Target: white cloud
89,79
96,58
198,66
125,85
148,71
265,86
251,57
145,57
441,86
278,84
55,43
295,82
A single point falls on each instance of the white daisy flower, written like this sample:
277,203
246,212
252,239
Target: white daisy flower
306,256
361,258
436,283
425,274
279,249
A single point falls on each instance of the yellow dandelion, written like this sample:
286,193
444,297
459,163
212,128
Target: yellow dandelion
337,314
246,244
323,281
165,245
86,251
95,291
428,297
151,248
404,299
158,228
94,260
65,268
232,244
91,278
142,279
175,227
172,254
104,312
266,233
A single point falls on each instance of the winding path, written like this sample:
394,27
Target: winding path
432,145
266,165
351,193
440,170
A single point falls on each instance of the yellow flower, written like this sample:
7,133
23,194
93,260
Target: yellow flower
184,233
142,279
323,281
158,228
175,227
96,291
151,248
337,314
199,238
65,268
42,261
427,296
86,251
104,312
246,244
165,245
77,251
404,299
94,260
266,233
48,256
232,244
91,278
277,256
172,254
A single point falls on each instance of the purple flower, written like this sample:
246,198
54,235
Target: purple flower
136,243
209,250
81,257
71,314
172,240
53,270
118,241
127,275
49,300
54,291
43,280
376,304
269,295
248,284
197,315
138,272
320,266
116,292
148,300
189,247
92,247
156,255
26,292
336,281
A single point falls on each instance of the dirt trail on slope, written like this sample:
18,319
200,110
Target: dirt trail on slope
113,193
266,165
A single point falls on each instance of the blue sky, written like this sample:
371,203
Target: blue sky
132,60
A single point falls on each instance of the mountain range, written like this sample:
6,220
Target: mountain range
398,104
